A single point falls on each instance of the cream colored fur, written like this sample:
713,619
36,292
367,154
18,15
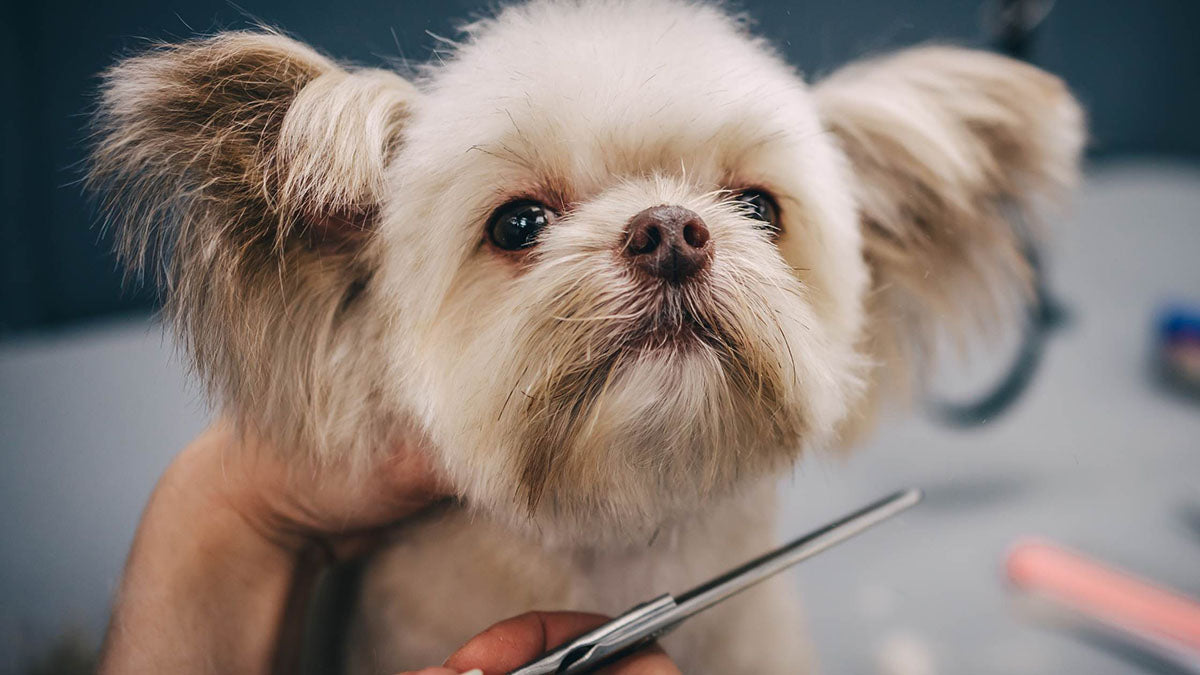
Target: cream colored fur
321,231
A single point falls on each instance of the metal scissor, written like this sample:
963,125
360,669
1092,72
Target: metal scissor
649,620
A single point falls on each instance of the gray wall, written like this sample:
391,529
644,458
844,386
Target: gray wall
1133,62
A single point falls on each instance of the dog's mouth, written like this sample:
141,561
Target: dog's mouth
665,330
652,362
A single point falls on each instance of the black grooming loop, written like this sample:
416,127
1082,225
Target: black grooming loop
1043,317
1013,24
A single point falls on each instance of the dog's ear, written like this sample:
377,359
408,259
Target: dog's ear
951,150
248,169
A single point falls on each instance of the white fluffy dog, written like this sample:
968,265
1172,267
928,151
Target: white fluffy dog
613,259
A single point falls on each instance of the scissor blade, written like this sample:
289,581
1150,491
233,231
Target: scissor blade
648,621
738,579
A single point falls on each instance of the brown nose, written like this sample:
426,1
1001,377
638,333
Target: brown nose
668,242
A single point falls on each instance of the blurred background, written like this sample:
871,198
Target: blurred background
1100,453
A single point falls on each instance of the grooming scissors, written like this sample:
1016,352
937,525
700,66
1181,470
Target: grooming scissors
650,620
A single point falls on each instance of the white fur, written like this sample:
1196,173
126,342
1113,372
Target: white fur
609,117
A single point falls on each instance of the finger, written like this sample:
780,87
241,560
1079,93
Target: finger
514,642
411,467
431,671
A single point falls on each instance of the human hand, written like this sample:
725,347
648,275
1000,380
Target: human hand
296,504
229,546
516,641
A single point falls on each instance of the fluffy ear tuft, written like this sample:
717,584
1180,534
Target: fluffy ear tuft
251,167
952,149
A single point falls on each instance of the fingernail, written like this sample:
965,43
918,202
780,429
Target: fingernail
473,671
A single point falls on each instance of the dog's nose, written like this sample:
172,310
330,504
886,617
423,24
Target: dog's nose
668,242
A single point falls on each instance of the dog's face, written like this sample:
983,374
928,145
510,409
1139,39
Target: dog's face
641,267
612,258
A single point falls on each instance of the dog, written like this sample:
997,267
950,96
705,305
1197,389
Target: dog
614,261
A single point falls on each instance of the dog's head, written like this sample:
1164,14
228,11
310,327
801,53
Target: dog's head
611,258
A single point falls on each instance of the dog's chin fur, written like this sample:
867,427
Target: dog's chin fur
322,235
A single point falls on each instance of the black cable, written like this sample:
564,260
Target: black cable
1045,315
1017,22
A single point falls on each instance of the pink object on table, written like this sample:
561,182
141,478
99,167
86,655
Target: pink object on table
1112,597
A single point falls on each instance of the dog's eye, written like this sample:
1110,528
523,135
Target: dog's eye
761,206
516,225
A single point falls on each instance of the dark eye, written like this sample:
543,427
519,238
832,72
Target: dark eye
516,225
761,206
